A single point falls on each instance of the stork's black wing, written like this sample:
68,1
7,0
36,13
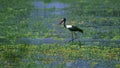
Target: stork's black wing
74,28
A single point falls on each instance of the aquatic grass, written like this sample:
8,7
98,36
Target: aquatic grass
11,55
117,65
87,53
11,16
76,51
48,53
15,23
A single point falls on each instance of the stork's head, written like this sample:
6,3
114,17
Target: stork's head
63,20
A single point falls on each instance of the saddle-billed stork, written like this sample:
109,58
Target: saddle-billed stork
72,28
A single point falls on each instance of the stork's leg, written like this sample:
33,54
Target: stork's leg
75,34
72,37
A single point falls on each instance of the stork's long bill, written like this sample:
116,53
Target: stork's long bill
62,21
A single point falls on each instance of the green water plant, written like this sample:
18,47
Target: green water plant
48,53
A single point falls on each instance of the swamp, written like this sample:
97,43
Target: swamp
31,36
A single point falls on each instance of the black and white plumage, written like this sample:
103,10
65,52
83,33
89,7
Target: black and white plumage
70,27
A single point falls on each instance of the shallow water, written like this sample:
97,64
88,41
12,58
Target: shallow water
56,5
50,13
47,13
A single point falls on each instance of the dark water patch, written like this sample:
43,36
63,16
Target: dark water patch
106,64
94,42
101,42
39,4
38,41
46,13
48,9
87,42
57,5
82,63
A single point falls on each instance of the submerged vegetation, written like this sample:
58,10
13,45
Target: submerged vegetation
23,20
48,53
12,20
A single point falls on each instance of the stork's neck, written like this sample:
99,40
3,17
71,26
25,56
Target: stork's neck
64,24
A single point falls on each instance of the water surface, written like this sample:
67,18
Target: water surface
49,14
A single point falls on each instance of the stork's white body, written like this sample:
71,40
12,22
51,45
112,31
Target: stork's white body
68,26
